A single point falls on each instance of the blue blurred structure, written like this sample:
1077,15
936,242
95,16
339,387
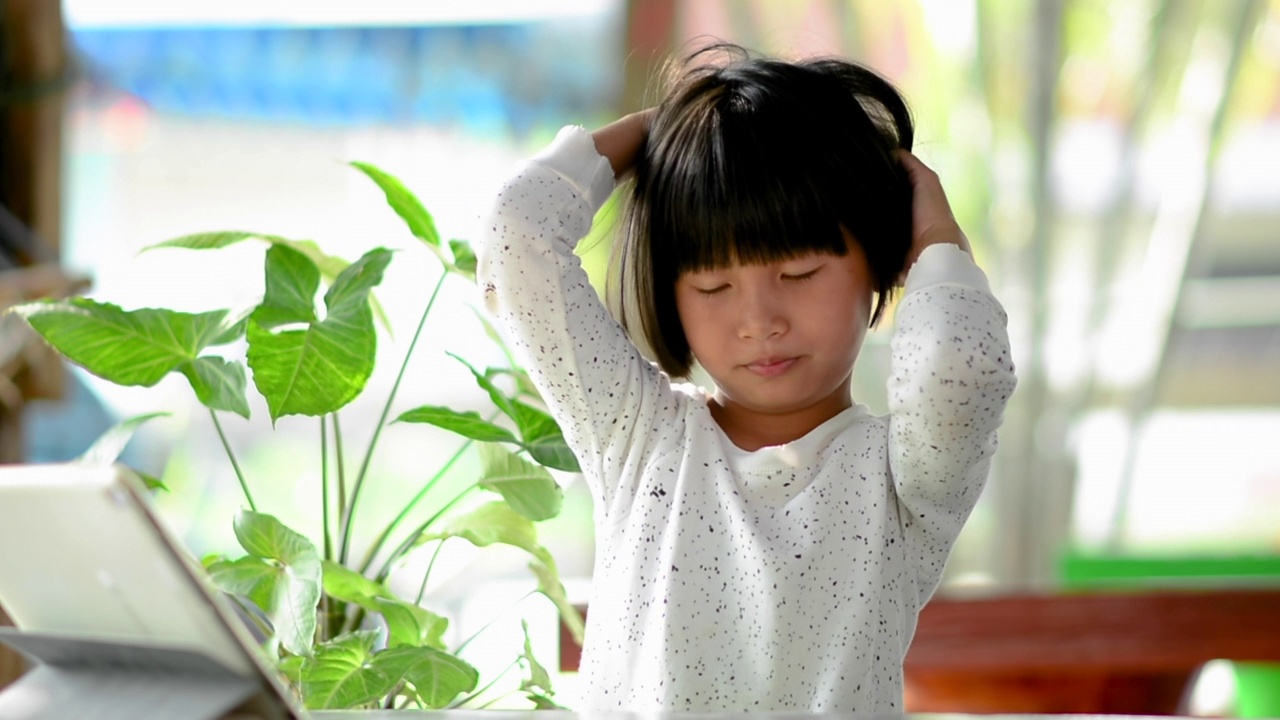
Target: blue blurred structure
485,77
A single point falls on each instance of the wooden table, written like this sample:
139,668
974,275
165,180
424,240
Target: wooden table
1130,652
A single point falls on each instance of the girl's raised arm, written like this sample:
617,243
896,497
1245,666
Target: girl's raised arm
952,375
605,395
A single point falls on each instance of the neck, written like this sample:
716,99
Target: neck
751,429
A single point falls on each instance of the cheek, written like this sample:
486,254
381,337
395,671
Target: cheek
706,329
846,319
861,297
692,319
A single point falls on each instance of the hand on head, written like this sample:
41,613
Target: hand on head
932,222
621,140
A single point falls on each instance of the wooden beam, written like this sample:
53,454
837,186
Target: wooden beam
34,68
34,72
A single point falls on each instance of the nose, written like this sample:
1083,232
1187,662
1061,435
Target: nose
761,315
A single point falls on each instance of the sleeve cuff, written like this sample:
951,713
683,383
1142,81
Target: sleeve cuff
945,264
574,157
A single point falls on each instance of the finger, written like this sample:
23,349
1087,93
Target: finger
917,171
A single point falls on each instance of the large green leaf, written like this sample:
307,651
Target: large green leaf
437,677
107,448
553,452
205,240
342,675
249,576
349,293
496,522
405,203
219,384
292,281
493,522
410,624
407,623
264,536
137,347
528,488
543,438
347,585
323,366
464,259
330,266
532,422
297,590
291,667
466,424
232,331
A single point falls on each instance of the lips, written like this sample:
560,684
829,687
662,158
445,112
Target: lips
771,366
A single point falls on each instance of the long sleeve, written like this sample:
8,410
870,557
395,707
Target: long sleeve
951,377
596,383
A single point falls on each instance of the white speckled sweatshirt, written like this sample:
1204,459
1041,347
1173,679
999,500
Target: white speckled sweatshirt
788,578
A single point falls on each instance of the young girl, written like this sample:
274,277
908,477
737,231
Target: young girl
766,545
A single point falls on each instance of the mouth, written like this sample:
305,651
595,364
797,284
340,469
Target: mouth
771,366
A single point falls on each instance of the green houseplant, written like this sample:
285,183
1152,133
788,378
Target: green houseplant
340,636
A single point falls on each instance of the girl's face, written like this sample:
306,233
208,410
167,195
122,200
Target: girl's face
779,340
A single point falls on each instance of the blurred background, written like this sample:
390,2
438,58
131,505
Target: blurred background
1116,165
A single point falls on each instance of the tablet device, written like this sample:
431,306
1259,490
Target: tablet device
101,592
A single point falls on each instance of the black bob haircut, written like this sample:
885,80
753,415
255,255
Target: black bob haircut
752,160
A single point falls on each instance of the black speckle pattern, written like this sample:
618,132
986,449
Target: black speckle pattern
788,578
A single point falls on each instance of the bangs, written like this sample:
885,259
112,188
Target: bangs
747,192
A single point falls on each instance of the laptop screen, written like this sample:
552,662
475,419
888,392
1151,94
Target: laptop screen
83,555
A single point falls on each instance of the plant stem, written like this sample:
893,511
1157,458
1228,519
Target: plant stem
322,627
369,556
343,508
495,619
232,456
338,612
407,545
386,410
324,487
481,691
422,589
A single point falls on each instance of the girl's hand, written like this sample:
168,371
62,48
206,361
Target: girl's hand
931,220
621,140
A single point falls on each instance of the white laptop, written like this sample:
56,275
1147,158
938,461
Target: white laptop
122,621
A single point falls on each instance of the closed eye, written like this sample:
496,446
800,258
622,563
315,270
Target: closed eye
712,291
801,277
